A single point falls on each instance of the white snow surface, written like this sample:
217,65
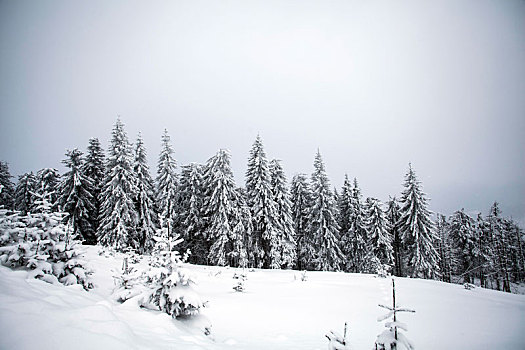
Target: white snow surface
276,311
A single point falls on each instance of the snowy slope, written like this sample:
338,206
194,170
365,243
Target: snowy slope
277,311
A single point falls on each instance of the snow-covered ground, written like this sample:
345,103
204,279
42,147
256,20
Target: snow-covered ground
276,311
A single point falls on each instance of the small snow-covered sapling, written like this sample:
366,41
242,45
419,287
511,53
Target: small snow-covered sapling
392,338
336,341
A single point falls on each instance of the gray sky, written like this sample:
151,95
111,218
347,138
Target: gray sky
373,84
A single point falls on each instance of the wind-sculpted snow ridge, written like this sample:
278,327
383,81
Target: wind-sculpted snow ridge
276,310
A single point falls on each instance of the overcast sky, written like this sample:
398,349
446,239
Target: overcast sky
372,84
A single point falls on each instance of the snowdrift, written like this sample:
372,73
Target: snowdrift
277,310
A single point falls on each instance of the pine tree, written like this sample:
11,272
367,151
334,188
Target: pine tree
346,241
323,225
167,183
360,240
76,197
191,213
462,234
221,210
118,216
379,239
265,242
24,193
7,188
144,199
93,169
284,212
301,204
47,182
392,215
416,228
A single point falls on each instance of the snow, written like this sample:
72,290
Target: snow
277,310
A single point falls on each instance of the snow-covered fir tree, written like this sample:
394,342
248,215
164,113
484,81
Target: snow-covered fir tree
265,242
167,183
42,243
284,212
242,231
346,239
221,210
322,223
7,188
392,215
499,249
379,239
301,205
24,193
144,199
463,236
484,243
93,168
447,260
47,183
171,285
416,228
118,216
191,213
359,237
76,197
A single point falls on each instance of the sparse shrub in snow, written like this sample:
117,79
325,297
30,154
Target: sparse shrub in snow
128,282
336,341
303,276
241,278
172,290
43,244
469,286
392,338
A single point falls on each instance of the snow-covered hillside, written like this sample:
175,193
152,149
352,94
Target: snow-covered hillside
277,311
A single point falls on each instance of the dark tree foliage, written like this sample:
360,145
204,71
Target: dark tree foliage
7,188
76,197
25,193
94,169
301,198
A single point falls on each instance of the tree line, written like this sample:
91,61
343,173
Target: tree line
113,200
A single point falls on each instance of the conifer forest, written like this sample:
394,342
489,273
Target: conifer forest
111,198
